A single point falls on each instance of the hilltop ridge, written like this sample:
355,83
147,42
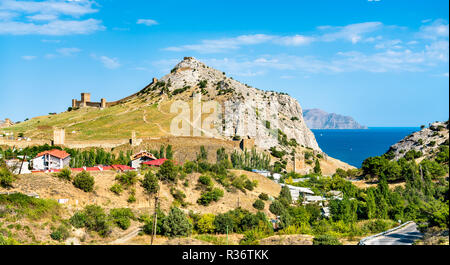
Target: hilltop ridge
148,112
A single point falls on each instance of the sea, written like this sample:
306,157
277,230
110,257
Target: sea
354,146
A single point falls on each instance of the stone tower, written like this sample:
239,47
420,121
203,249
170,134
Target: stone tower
59,136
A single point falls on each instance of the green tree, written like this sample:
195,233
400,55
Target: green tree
206,223
176,224
258,204
84,181
167,171
317,168
150,183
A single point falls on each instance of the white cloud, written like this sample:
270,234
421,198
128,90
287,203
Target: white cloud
438,29
55,28
5,15
294,40
20,17
226,44
352,32
29,57
51,41
68,51
110,63
147,22
70,8
42,17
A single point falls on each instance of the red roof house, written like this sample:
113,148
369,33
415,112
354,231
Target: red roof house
156,162
51,159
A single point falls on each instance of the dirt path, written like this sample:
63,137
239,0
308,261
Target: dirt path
126,237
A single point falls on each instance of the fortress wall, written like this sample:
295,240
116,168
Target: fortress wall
23,144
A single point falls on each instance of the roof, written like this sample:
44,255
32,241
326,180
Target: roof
121,167
143,154
314,198
55,152
157,162
299,189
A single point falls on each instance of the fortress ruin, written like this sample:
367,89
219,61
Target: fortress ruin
86,100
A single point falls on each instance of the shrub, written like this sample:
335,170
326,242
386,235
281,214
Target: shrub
6,178
116,188
121,217
131,198
258,204
222,222
176,224
263,196
178,195
148,226
202,84
326,240
205,180
78,220
93,218
207,197
127,179
206,223
64,174
377,226
84,181
250,185
150,183
60,234
277,207
189,167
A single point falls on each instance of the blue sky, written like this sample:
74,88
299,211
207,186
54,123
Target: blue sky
384,62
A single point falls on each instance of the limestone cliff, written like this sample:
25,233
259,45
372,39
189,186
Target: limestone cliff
248,112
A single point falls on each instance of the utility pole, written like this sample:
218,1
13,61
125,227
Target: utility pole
155,217
21,164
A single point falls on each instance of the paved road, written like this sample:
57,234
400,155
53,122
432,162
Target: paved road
404,236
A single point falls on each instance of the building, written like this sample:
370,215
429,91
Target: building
53,159
15,166
141,157
265,173
297,192
325,212
336,194
86,102
313,199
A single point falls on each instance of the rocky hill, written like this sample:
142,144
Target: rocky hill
427,141
319,119
247,112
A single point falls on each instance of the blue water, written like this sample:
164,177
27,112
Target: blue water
353,146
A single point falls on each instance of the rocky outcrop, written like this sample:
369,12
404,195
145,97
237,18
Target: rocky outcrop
319,119
426,141
246,111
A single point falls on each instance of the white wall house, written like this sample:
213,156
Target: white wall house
15,164
296,192
141,157
53,159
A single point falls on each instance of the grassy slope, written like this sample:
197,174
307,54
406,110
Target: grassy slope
95,124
